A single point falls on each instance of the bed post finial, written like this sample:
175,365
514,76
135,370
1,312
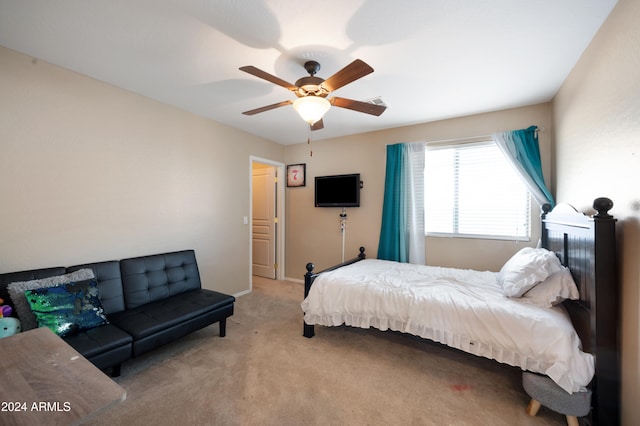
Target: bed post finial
602,205
546,208
308,278
362,255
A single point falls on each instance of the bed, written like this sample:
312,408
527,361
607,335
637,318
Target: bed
568,333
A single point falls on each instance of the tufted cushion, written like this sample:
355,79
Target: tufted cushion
109,282
151,278
546,392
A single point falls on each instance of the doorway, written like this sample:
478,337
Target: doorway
267,219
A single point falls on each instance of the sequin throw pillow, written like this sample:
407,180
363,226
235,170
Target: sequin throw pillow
67,308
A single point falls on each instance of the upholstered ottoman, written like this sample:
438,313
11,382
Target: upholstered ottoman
543,391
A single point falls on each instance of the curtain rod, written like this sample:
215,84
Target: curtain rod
455,141
470,139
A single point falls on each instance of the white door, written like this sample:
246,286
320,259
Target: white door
264,221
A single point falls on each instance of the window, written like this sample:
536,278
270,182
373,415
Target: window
471,190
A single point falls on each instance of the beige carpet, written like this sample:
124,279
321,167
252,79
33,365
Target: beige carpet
265,373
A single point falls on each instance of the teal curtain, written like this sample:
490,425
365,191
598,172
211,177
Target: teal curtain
522,149
392,245
402,230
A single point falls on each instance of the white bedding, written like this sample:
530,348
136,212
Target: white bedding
464,309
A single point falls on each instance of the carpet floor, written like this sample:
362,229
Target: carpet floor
265,373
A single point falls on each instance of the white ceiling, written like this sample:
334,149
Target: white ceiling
433,59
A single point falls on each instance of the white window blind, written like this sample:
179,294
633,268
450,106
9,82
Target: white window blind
471,190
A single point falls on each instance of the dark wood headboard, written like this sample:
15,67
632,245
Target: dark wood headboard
587,246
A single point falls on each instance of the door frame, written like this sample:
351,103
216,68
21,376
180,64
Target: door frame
280,206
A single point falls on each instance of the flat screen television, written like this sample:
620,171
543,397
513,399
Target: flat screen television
338,191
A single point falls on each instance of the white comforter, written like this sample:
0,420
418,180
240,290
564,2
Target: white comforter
463,309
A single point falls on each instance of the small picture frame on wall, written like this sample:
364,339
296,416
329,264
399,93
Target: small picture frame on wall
296,175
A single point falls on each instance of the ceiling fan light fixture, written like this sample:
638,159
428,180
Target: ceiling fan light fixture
311,92
311,108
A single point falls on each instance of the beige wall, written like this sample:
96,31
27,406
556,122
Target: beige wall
90,172
597,138
313,234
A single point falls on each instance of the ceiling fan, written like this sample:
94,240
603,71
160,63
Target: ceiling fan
312,91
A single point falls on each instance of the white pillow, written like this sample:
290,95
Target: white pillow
558,287
525,269
16,292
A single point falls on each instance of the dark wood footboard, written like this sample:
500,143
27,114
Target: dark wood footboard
310,276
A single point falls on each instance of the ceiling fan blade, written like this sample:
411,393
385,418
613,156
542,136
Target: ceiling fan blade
269,77
366,107
355,70
267,108
317,125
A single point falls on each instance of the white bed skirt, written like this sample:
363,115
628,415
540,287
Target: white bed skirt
462,309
